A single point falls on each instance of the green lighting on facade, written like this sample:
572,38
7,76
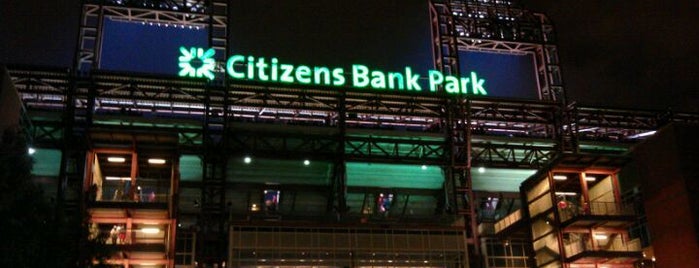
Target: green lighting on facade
240,67
205,58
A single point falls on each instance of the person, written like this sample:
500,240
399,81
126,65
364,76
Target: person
151,196
118,194
113,235
122,234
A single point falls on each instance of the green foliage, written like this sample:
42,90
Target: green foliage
32,234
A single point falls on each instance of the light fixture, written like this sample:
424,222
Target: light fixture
641,135
156,161
481,169
560,177
306,162
424,167
247,160
114,178
150,230
31,150
566,193
599,236
115,159
589,178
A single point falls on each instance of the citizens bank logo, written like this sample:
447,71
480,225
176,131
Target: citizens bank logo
196,62
199,63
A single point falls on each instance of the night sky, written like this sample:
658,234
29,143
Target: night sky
640,55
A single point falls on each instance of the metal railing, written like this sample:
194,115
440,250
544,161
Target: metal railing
596,209
614,243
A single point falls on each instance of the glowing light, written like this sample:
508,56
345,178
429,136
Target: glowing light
248,67
600,236
150,230
247,160
588,178
156,161
641,135
560,177
566,193
306,162
481,170
31,151
424,167
115,159
205,57
113,178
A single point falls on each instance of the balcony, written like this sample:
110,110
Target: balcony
598,214
604,250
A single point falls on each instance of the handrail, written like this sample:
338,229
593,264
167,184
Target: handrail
596,208
614,243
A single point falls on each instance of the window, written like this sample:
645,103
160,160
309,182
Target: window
383,202
271,199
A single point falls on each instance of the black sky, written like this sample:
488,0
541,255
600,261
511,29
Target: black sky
631,54
635,54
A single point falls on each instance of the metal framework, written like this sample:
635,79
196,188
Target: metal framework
219,119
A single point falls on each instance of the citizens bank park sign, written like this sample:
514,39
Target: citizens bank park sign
199,63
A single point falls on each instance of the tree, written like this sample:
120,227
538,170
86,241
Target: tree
24,215
33,235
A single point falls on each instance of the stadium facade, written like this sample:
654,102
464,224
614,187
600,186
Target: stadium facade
232,166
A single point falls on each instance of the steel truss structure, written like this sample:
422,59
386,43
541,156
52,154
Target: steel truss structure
220,119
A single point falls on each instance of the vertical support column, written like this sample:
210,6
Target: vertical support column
339,190
585,195
134,174
218,35
89,38
459,134
212,243
445,48
212,221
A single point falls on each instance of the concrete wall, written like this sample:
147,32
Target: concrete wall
9,102
667,164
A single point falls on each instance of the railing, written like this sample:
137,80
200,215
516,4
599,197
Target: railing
596,209
614,243
124,236
505,222
136,198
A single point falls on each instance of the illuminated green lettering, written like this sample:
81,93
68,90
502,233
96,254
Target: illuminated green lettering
274,69
395,78
464,85
321,74
378,80
412,79
230,66
261,66
436,78
451,85
287,69
303,74
338,76
360,76
477,84
251,67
